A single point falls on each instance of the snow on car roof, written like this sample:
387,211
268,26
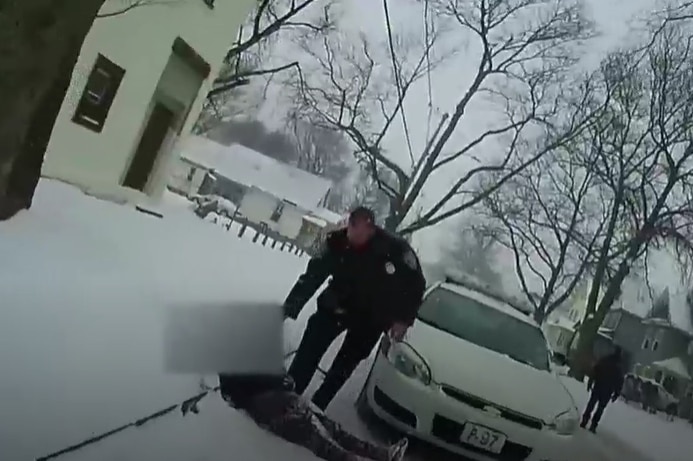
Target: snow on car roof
489,301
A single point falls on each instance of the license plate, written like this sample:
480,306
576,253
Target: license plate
483,438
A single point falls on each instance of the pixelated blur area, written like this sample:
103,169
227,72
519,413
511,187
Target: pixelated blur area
239,338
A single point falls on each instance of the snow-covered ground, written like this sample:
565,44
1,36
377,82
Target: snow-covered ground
83,284
82,287
650,434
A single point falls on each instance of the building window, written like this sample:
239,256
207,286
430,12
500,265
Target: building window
191,173
646,343
99,93
658,337
277,213
209,3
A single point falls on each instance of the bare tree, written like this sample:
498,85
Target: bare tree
244,60
41,43
474,251
645,163
321,151
118,7
326,153
524,48
550,216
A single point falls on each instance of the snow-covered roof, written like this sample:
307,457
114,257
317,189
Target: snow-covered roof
671,310
328,215
315,220
674,365
636,299
250,168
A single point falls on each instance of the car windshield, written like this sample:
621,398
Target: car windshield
486,327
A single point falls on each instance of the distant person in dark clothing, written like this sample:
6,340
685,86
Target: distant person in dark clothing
605,384
377,286
271,402
649,397
672,410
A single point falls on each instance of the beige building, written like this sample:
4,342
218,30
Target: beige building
137,89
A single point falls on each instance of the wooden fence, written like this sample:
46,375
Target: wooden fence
261,234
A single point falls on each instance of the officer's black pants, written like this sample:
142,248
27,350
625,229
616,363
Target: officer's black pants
599,400
322,329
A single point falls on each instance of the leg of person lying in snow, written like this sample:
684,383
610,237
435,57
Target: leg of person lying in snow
355,445
292,418
288,415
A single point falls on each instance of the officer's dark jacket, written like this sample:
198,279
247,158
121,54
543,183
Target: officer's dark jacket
607,376
381,283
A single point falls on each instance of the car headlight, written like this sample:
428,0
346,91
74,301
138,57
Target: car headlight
407,361
565,423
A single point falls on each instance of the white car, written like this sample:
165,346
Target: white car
474,377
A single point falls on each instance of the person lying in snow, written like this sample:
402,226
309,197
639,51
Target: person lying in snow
272,403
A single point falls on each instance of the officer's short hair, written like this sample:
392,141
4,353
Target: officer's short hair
362,214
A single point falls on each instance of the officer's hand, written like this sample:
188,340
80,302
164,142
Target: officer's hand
614,398
398,331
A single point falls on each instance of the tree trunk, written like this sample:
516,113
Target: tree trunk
41,43
589,328
392,222
539,316
394,217
582,357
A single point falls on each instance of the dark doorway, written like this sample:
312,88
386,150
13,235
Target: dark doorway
158,126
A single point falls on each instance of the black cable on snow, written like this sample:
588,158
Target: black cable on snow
189,405
186,406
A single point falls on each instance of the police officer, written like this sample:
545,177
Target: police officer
377,286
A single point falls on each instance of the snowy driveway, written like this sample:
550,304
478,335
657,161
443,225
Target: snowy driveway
82,283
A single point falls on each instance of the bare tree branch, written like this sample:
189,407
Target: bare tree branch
263,29
222,85
646,162
244,60
544,215
132,4
526,46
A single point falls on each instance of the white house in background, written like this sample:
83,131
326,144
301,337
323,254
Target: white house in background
268,192
560,326
137,88
329,217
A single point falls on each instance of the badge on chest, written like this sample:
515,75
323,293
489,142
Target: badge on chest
389,268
